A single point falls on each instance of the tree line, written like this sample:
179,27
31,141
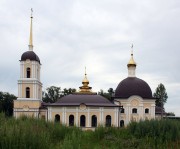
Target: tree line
53,93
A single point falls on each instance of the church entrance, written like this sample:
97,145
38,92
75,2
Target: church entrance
82,121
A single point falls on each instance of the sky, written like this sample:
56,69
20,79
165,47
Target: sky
71,34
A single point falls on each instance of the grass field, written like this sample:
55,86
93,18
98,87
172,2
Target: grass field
28,133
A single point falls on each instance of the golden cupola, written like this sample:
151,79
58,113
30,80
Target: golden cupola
85,88
131,61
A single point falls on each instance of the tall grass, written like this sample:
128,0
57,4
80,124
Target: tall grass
29,133
157,132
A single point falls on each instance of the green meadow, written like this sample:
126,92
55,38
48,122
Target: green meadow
29,133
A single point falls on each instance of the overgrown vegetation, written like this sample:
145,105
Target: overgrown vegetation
28,133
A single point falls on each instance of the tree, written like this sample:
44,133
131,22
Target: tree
161,96
111,91
6,103
52,95
68,91
170,114
108,94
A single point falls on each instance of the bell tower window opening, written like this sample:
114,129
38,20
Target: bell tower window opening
28,72
27,92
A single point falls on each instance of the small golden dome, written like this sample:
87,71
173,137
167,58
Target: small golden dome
85,80
85,88
131,61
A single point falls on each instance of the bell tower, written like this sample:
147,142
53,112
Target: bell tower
29,84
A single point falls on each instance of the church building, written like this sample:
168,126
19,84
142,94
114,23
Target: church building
132,100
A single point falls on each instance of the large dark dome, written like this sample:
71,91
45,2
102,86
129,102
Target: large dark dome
30,55
133,86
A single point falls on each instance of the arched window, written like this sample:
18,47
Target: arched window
27,92
122,110
71,120
94,121
108,121
122,123
82,121
28,72
57,118
134,110
146,110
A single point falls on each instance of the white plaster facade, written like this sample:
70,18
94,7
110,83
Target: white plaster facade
88,112
145,109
